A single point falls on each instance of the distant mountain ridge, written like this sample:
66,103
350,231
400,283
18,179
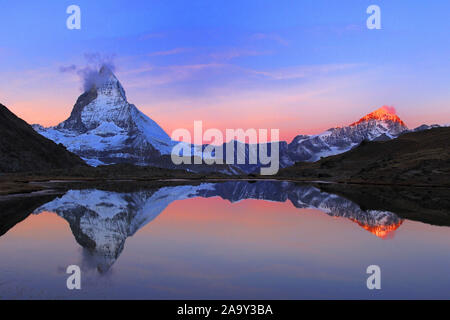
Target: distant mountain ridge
382,124
418,158
104,128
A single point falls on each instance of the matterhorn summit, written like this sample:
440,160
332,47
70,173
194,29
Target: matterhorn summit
104,128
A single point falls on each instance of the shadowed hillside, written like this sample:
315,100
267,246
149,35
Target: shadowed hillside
23,149
416,158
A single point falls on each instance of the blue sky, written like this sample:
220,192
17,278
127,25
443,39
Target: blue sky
300,66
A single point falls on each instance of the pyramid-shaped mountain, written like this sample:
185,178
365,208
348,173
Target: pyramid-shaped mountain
104,128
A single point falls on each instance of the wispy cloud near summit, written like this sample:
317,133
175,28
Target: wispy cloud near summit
89,74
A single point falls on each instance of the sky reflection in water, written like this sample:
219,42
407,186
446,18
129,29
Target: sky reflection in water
228,240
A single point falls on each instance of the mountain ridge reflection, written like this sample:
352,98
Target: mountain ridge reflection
101,221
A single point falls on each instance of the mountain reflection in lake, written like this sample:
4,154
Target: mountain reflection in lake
220,240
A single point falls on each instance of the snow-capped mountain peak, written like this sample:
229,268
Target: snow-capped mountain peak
104,128
381,124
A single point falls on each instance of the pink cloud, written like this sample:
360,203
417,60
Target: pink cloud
235,53
270,36
151,36
169,52
305,71
389,109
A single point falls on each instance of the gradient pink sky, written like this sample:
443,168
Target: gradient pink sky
300,67
47,97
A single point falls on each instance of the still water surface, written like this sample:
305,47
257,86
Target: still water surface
234,240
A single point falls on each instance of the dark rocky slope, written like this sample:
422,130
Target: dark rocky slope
23,150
